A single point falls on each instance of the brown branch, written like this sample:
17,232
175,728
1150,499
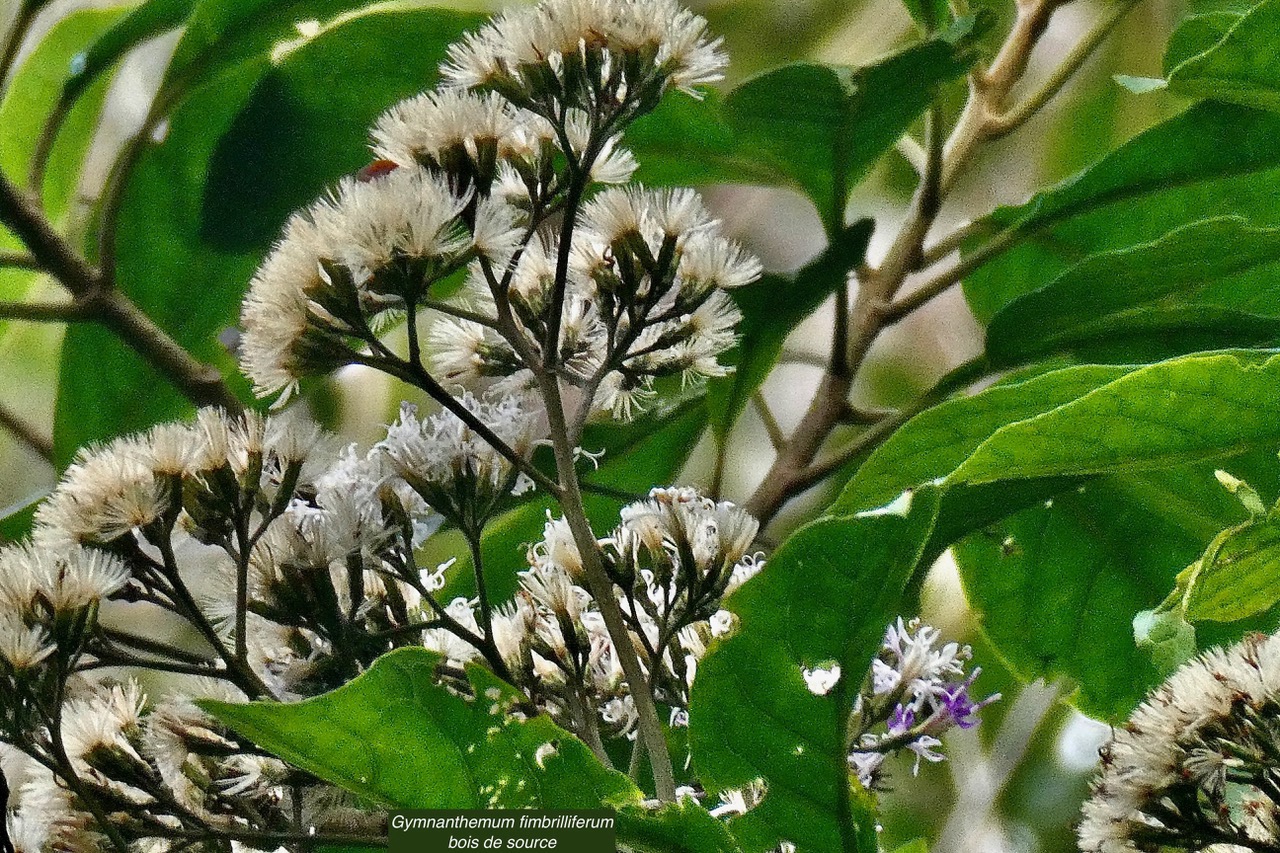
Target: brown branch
874,309
39,443
200,383
18,260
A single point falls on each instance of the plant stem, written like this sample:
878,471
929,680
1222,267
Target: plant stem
40,444
200,383
793,470
601,588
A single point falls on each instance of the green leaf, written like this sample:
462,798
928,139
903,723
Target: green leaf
1108,446
817,127
771,309
1200,407
181,255
398,739
1238,576
16,520
682,828
824,126
825,597
1196,34
222,34
1242,66
1167,637
1209,275
1213,160
933,444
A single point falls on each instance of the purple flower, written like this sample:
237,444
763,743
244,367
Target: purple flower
901,720
958,706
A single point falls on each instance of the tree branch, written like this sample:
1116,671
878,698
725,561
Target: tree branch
40,444
200,383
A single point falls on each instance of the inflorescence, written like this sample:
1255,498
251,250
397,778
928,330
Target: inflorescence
1197,766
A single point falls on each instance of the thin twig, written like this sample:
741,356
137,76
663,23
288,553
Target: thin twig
771,426
945,280
18,260
39,443
1010,120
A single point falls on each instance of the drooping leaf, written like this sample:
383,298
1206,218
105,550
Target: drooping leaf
1214,160
305,110
1241,66
824,598
771,309
397,738
1216,275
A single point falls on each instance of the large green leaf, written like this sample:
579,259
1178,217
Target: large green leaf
1196,34
824,598
398,739
180,255
1217,275
1243,65
771,310
1213,160
1201,407
817,127
1093,466
1058,585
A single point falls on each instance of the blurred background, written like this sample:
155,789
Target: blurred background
1016,782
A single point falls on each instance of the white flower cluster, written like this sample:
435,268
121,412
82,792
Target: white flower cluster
454,468
917,690
673,558
472,175
1196,765
589,53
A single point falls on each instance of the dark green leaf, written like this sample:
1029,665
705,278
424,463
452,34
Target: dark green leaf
1197,34
824,126
1213,160
398,739
752,716
16,520
771,309
1210,275
817,127
1058,585
1242,66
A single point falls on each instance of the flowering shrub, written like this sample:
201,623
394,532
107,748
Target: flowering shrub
226,627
